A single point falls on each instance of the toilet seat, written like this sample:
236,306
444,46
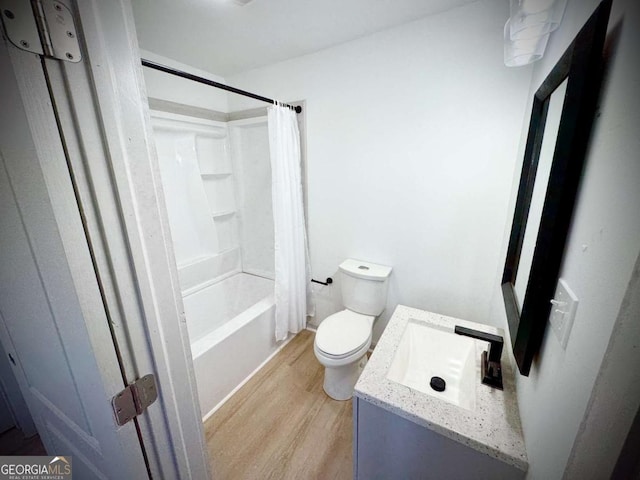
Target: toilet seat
344,333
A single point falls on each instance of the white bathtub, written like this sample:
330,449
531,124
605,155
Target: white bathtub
232,332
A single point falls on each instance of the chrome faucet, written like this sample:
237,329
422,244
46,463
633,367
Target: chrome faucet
491,368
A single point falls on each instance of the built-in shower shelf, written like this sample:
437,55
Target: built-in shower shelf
226,213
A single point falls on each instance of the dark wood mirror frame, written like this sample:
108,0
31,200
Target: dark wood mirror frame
581,65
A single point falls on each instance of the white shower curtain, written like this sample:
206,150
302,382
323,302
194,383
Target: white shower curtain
293,272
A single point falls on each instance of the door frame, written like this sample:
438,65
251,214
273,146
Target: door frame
104,123
146,282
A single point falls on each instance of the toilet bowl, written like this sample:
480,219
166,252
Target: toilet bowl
343,339
341,346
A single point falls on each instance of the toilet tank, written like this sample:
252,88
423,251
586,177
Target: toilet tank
364,286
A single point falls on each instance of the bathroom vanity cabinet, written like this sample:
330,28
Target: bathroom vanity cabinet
389,446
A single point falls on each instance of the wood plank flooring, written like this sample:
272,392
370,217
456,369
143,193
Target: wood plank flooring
281,424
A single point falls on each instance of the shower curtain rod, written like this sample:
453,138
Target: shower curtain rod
195,78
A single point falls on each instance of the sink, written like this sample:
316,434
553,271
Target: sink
427,350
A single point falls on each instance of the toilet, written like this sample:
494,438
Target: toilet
342,339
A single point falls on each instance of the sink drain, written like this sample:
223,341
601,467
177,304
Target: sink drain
438,384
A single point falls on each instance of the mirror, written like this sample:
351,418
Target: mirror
561,117
543,171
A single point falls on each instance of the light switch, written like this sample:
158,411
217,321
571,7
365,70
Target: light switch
563,310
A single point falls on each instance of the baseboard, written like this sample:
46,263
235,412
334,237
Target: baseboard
249,377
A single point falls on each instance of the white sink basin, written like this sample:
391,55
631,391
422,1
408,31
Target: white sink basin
425,351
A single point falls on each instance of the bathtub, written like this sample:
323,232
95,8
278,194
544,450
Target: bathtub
231,327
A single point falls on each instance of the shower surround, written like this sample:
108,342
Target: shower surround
216,178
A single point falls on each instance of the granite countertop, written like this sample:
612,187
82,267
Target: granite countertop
493,428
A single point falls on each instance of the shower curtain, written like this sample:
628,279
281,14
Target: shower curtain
293,273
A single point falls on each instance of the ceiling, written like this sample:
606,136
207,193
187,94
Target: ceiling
225,38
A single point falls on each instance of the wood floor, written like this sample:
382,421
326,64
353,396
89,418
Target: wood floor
281,424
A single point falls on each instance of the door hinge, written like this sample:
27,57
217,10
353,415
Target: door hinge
134,399
44,27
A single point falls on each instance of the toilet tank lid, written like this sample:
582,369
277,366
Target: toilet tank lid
366,270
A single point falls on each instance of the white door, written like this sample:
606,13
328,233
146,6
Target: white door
6,417
53,323
15,401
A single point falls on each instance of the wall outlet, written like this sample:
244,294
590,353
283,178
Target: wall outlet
563,310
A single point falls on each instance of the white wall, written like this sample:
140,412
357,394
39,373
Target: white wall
412,141
615,399
602,248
